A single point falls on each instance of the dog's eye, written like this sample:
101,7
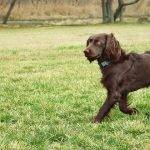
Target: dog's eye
97,42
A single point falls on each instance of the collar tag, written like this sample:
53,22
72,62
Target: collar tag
105,63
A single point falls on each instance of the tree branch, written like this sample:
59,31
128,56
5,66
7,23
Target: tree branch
130,3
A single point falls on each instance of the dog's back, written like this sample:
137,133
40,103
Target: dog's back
142,68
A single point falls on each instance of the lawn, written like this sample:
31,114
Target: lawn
49,92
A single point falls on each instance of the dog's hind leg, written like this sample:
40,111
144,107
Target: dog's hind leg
124,107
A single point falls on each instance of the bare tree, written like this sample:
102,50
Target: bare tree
12,4
121,5
108,15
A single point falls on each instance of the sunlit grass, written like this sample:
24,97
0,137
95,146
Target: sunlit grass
49,92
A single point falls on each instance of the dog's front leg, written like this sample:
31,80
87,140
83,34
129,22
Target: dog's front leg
104,110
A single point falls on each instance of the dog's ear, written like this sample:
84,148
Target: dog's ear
113,49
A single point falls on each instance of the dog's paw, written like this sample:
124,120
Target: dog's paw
133,111
95,119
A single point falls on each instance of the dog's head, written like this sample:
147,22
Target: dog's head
102,46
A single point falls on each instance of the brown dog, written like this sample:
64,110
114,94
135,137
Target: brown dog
122,73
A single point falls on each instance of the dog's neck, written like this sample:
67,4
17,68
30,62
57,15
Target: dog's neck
105,62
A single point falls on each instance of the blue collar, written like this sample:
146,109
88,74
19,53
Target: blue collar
104,63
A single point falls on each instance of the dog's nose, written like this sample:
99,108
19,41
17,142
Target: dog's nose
87,52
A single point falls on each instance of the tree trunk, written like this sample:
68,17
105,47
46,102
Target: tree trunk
9,11
119,10
104,11
107,11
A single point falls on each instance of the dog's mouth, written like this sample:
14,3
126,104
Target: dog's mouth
93,58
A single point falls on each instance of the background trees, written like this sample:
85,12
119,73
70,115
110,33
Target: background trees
108,11
108,15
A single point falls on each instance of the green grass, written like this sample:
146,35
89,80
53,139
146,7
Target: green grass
49,92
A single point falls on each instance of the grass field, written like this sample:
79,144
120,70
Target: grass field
49,92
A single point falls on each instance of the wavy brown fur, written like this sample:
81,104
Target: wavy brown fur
124,74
